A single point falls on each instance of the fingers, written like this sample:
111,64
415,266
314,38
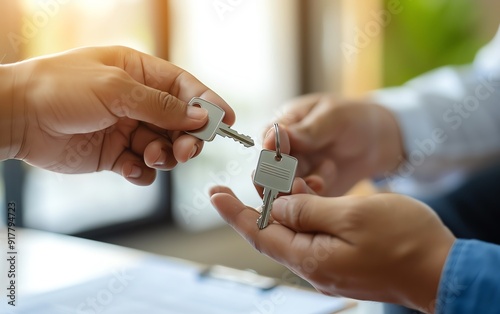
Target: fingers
187,147
295,110
132,168
292,117
321,177
316,184
301,186
221,189
312,123
175,86
318,128
273,241
310,213
163,155
239,216
158,154
127,98
163,151
270,139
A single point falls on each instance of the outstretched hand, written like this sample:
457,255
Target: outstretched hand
384,247
105,108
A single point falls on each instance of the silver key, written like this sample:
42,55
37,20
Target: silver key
275,172
215,125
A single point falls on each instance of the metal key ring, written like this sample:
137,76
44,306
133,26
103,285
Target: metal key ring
277,139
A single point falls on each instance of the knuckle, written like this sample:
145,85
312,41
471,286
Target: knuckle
301,214
297,210
353,216
171,105
121,52
112,78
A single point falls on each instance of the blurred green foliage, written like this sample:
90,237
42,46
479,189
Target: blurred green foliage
428,34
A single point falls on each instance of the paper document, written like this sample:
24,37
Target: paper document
158,285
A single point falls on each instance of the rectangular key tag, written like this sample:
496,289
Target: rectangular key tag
215,116
273,173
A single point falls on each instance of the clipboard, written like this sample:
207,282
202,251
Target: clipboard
159,285
243,277
252,279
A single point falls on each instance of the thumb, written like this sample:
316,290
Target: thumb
305,213
160,108
270,139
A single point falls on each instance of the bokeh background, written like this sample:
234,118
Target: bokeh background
256,54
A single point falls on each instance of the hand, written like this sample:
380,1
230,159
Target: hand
106,108
385,247
338,143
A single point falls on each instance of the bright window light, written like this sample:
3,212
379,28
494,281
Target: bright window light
247,52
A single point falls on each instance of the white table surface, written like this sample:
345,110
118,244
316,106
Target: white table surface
47,262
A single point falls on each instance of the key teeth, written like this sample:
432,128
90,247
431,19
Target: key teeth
245,144
260,223
245,140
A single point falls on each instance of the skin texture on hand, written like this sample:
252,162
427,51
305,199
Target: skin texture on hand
386,247
106,108
339,143
5,113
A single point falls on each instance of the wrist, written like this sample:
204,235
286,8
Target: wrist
11,114
5,112
421,288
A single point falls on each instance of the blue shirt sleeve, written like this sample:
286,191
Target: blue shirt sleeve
470,282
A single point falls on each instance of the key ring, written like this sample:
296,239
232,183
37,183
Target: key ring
277,139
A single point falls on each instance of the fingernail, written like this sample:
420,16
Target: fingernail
135,172
161,160
193,152
279,206
197,113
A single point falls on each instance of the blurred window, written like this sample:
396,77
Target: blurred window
256,54
85,203
248,52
